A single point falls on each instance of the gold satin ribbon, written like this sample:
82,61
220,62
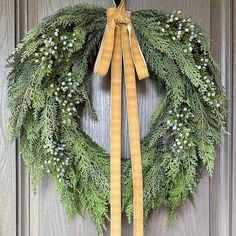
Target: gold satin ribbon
120,42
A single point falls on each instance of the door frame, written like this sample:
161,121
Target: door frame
222,187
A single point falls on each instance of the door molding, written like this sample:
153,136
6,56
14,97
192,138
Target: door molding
222,184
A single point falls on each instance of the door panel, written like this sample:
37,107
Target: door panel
7,151
190,217
42,214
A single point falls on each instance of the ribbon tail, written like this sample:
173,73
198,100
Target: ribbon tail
137,55
103,59
115,162
134,136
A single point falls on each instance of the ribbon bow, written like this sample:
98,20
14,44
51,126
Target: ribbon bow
119,41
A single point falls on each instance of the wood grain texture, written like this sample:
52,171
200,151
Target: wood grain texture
233,131
8,210
191,220
222,189
214,211
22,178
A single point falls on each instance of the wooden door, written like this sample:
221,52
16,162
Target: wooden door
24,213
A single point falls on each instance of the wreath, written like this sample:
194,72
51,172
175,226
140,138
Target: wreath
49,84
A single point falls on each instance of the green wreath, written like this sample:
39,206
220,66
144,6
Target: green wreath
49,83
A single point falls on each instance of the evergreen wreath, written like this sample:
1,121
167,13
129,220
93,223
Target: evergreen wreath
49,82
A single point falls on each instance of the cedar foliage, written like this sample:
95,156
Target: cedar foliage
183,130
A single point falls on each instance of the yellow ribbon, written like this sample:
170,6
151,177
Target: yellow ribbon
120,42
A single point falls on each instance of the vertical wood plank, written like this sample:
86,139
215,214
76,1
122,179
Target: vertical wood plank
221,184
47,213
8,213
233,200
23,181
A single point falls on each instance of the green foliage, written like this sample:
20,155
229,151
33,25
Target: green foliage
49,83
87,179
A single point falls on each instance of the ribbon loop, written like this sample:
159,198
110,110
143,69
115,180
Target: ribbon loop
118,16
137,55
119,41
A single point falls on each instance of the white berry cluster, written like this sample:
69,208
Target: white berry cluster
65,94
56,162
208,91
57,47
186,30
179,123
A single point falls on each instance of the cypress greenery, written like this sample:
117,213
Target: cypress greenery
49,83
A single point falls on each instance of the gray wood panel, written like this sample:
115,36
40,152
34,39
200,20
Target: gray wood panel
8,210
222,185
233,207
24,213
23,180
49,212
